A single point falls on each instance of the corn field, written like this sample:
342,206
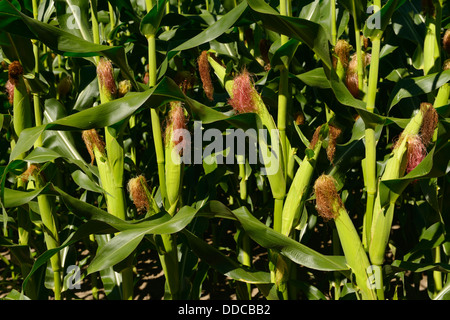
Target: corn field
268,150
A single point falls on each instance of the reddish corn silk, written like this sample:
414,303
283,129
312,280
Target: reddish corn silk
15,71
333,134
315,138
106,75
203,68
299,118
429,122
446,41
32,170
92,140
176,120
342,50
351,79
243,94
136,189
10,91
416,152
328,200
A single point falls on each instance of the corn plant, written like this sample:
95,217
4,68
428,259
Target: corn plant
269,150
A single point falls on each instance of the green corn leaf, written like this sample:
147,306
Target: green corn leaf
16,198
310,33
104,115
150,23
224,264
360,8
17,48
270,239
117,249
215,30
73,17
411,87
60,41
315,78
382,17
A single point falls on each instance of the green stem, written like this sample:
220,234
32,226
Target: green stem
95,30
437,275
283,97
283,91
358,46
336,274
156,124
46,207
282,110
333,22
245,240
431,51
51,240
370,141
169,258
112,177
132,123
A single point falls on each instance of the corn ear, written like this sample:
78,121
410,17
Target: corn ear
22,112
383,212
174,146
443,94
329,206
264,121
431,46
297,194
354,253
173,169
